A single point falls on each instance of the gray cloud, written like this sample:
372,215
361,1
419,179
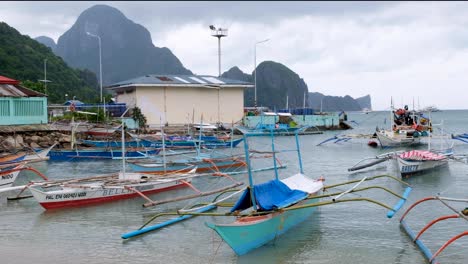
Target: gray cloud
402,49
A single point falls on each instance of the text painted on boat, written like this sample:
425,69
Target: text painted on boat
7,177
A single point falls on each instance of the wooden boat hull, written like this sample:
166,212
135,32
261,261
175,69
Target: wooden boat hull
101,132
248,233
74,197
115,144
391,139
193,143
7,178
12,158
202,166
87,154
407,167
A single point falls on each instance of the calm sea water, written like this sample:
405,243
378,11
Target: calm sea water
341,233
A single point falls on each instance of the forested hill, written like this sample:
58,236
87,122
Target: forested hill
277,86
22,58
127,47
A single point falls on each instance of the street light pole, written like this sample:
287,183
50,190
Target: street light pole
45,81
45,76
218,33
100,68
255,70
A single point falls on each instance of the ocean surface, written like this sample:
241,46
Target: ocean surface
354,232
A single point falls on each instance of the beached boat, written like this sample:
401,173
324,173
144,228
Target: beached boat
266,210
458,214
99,153
102,131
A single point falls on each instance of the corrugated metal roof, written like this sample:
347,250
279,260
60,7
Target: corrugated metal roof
9,90
6,80
180,80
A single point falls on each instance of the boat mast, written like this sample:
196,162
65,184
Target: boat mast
391,113
123,143
123,149
163,144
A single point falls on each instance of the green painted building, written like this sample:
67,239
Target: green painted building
20,105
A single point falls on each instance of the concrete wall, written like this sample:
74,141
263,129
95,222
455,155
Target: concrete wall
23,110
181,105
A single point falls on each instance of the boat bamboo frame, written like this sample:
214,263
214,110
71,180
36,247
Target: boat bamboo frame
202,211
416,237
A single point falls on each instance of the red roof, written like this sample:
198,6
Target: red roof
5,80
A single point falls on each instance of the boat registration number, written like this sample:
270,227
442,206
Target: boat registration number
409,168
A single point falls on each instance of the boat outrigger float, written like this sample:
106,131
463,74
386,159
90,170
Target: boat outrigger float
267,210
458,214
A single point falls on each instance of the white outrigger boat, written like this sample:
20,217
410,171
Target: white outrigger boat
415,161
390,138
9,174
99,189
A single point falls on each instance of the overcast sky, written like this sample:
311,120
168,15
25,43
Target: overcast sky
404,50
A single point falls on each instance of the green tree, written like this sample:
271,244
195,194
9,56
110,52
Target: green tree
138,116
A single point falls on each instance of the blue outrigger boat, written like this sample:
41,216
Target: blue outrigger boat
100,153
267,210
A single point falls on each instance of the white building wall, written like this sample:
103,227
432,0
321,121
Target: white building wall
127,97
182,105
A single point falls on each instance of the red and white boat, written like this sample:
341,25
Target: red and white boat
414,161
106,188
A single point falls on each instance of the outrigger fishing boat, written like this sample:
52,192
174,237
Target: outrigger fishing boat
9,174
8,158
103,188
86,154
39,155
202,164
267,210
461,214
414,161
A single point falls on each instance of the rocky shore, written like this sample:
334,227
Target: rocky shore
27,140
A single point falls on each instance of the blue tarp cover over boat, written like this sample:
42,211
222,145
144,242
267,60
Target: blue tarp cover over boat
270,195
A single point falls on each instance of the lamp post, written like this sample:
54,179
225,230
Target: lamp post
218,33
100,68
45,81
321,102
255,70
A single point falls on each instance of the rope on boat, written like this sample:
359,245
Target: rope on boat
349,190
